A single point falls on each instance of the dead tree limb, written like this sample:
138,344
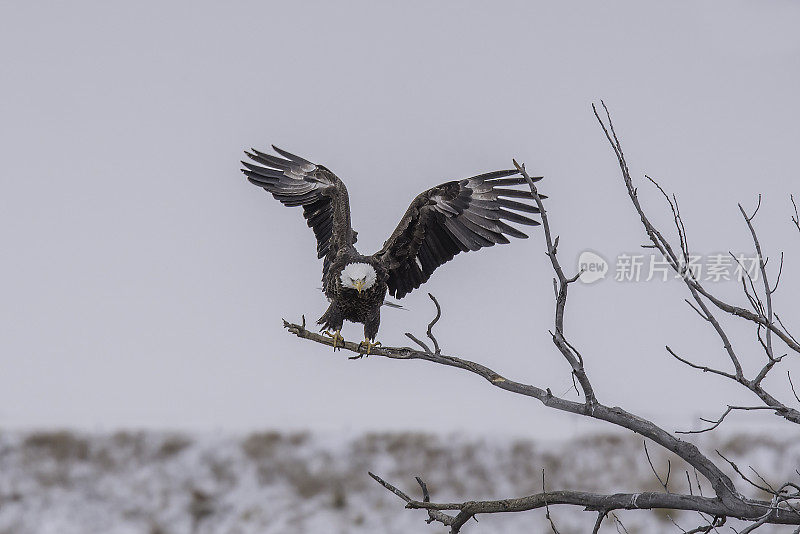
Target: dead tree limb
763,316
726,501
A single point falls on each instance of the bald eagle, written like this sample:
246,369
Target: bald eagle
453,217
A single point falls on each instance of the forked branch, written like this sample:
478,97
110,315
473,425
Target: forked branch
703,301
726,502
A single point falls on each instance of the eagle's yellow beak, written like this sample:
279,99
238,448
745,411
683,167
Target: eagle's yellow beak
359,285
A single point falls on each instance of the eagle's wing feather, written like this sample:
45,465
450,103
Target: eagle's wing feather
295,181
453,217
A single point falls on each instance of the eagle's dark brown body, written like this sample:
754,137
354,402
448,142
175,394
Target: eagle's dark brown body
453,217
347,303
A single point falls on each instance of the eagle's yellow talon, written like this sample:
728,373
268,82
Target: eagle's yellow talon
369,344
336,336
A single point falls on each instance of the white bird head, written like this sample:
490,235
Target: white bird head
358,276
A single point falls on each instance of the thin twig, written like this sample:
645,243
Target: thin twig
433,322
419,342
664,483
701,367
600,516
547,507
717,522
618,523
789,375
433,515
715,423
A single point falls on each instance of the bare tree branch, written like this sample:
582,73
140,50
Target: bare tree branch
717,522
763,317
726,501
751,528
572,356
767,313
791,384
433,322
701,367
664,483
600,516
715,423
618,523
663,245
620,501
614,415
433,515
547,508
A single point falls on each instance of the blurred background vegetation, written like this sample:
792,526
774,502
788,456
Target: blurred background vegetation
170,483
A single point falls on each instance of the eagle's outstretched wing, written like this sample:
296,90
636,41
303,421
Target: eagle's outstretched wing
298,182
453,217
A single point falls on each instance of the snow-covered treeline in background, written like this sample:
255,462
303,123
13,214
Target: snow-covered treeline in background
271,482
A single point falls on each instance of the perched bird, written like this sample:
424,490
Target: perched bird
453,217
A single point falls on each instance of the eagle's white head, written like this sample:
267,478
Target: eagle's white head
358,276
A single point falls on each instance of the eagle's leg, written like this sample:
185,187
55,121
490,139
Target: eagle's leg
370,331
369,344
332,319
337,337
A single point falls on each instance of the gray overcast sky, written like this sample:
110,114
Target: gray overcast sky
144,280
